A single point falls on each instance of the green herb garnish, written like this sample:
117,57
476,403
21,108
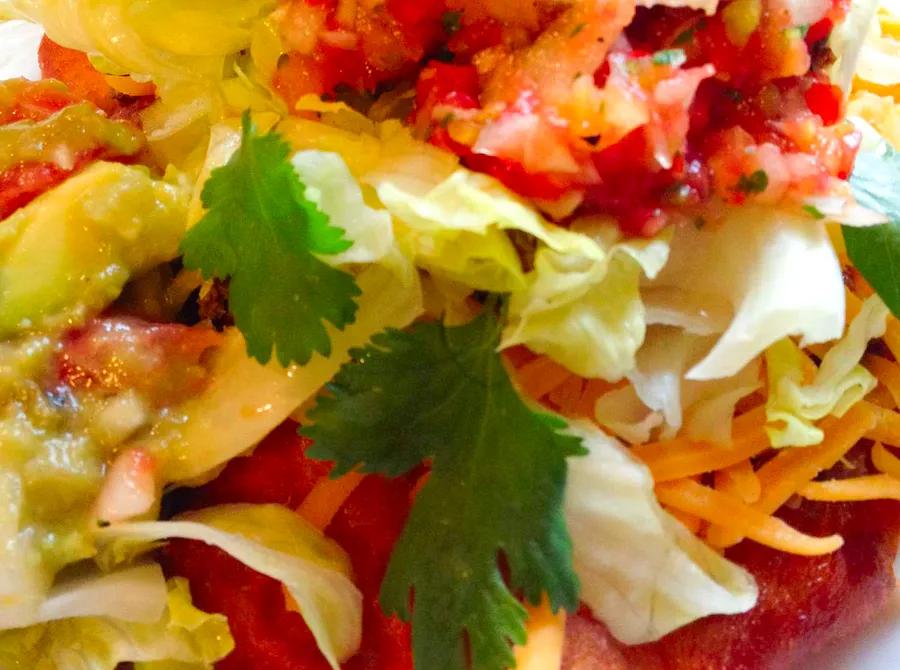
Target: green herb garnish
263,233
670,57
757,182
875,250
495,492
452,22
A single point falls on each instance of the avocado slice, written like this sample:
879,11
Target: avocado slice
67,254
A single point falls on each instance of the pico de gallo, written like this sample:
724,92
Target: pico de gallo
448,334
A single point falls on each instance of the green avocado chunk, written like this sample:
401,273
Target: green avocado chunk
67,254
63,137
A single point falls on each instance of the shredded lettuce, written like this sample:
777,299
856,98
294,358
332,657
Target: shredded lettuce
276,542
748,264
840,382
642,573
582,305
18,49
182,634
848,39
331,186
252,399
659,396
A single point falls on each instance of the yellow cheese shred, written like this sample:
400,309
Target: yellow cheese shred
328,495
869,487
884,461
739,480
724,510
887,373
681,457
546,633
791,469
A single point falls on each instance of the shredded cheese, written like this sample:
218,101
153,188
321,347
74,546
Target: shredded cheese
566,395
891,336
887,373
869,487
540,376
327,497
681,457
791,469
884,461
724,510
546,633
887,426
690,521
740,481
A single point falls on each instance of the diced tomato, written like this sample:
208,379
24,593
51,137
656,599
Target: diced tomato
73,68
825,100
163,361
277,471
22,183
268,635
22,100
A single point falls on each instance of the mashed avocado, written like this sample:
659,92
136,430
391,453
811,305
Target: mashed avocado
69,253
64,258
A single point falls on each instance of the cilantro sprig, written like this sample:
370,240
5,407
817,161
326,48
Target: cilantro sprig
875,250
262,232
498,470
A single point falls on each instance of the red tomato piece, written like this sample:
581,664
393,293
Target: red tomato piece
24,100
22,183
163,361
73,68
825,100
804,603
268,636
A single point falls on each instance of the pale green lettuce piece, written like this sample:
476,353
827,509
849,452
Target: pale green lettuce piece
774,270
582,306
165,40
840,382
135,594
701,410
338,195
276,542
623,413
642,573
252,399
183,635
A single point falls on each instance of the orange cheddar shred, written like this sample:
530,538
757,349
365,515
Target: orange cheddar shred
725,510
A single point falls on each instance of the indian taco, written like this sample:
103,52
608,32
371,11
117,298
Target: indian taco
447,334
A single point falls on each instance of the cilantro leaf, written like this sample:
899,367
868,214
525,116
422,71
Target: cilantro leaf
262,232
757,182
495,488
875,250
671,57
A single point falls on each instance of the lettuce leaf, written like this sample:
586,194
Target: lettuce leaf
753,254
840,382
183,634
19,42
331,186
251,399
582,306
642,573
276,542
701,410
